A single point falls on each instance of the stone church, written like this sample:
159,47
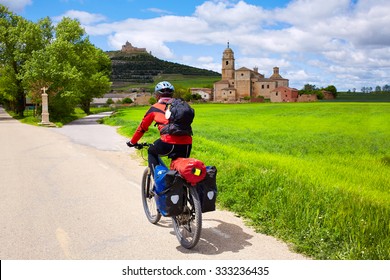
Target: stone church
245,83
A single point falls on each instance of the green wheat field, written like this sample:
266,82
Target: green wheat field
315,175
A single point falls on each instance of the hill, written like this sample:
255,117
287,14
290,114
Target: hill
142,68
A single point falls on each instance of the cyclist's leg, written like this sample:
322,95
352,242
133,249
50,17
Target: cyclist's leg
180,150
158,148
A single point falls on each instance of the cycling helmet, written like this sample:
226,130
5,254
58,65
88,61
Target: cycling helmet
164,89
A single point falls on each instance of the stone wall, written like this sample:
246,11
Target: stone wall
307,98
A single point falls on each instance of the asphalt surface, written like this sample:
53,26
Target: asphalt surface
74,193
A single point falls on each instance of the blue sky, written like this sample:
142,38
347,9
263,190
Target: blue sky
344,43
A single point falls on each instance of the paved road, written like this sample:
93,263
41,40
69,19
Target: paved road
73,193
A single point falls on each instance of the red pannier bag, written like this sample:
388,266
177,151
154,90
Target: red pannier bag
191,169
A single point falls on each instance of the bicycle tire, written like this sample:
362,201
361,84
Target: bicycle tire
148,200
188,225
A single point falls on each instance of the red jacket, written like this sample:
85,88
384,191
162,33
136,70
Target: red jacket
156,113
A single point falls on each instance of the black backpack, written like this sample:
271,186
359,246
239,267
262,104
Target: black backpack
180,116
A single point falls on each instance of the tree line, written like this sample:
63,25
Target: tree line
377,89
58,57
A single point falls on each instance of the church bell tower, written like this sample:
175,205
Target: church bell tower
228,64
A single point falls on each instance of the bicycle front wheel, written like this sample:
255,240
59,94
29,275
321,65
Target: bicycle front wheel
188,225
148,200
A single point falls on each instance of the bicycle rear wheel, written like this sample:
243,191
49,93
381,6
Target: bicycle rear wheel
148,201
188,225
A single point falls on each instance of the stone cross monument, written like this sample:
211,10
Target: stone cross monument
45,109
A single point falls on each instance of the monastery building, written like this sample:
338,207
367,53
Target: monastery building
245,83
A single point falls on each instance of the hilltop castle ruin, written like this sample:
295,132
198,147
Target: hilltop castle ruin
128,48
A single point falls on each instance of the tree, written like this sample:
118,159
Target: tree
19,38
96,68
386,88
8,88
127,100
309,87
61,58
181,92
53,67
72,68
332,89
366,89
313,89
152,100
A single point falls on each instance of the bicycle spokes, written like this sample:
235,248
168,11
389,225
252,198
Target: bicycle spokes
148,200
188,225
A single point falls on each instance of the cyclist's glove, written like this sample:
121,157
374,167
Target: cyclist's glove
128,143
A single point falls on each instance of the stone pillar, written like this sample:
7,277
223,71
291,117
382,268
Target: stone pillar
45,109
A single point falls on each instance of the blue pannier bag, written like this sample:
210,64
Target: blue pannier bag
169,191
159,177
207,190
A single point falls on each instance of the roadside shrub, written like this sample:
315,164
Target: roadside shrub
127,100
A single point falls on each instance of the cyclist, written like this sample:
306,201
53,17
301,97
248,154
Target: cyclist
173,146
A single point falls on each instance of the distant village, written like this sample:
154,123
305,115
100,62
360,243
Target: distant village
236,85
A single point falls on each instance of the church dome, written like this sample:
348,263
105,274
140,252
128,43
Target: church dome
228,49
228,53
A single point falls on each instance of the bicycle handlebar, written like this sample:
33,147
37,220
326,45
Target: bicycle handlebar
139,146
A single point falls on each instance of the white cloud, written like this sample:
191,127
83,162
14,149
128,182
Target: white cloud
85,18
16,5
302,13
264,64
153,34
205,59
298,76
223,14
159,11
210,66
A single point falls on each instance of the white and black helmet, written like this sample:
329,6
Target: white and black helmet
164,88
